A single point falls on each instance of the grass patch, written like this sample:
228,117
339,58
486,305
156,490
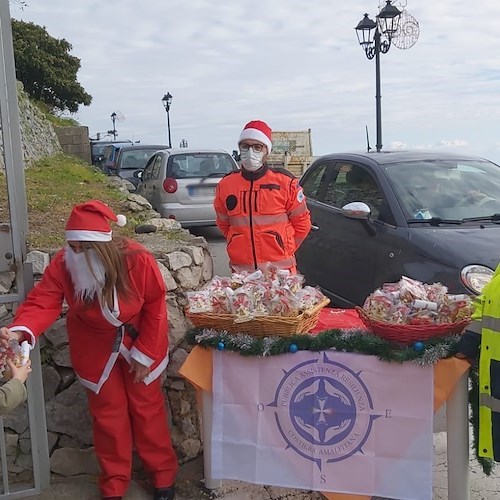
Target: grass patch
53,186
57,121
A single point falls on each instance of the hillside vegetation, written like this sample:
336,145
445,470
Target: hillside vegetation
57,121
53,186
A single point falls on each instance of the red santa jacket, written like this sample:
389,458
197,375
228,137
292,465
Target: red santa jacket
96,336
263,216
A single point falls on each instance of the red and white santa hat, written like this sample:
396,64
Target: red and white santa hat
258,131
90,221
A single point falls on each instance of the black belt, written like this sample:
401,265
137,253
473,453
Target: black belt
126,327
131,330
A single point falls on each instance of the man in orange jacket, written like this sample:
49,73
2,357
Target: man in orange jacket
261,211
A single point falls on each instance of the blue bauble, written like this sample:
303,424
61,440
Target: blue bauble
293,348
221,346
418,346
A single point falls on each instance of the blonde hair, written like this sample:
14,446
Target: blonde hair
113,255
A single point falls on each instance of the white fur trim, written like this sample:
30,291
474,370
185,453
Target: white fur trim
125,353
157,371
256,135
104,375
152,375
82,235
141,357
109,366
121,220
111,316
26,330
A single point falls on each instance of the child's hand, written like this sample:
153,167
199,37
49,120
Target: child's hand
6,335
21,373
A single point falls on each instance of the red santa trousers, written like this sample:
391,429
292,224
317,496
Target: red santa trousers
123,412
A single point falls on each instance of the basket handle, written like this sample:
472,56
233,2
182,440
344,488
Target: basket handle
316,308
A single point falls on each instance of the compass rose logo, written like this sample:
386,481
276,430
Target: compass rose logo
323,410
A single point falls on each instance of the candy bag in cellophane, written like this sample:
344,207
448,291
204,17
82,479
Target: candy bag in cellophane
17,353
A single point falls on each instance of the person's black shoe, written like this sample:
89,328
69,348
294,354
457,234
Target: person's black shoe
164,493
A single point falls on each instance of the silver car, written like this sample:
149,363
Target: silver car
180,183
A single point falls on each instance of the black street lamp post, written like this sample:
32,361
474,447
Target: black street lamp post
167,101
113,119
375,38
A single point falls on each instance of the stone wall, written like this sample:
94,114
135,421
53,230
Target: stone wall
75,141
39,139
185,263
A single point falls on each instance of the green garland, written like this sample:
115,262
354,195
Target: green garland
422,353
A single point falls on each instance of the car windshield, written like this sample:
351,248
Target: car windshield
136,158
446,189
200,165
97,149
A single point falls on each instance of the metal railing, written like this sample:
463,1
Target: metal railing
14,170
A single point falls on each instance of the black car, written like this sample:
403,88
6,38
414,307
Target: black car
97,149
376,217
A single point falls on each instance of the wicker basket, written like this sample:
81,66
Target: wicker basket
260,326
407,334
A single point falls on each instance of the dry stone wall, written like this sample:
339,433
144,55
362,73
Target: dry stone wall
185,263
38,136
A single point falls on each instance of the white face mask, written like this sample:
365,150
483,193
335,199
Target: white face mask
251,161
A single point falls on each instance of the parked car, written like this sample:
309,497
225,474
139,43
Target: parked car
431,216
97,149
128,159
109,156
180,183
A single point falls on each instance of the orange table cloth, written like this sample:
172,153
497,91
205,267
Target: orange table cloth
198,370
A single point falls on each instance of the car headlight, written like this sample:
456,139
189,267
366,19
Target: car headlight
474,277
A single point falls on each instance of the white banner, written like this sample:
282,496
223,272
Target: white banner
329,421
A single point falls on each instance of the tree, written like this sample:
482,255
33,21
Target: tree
46,68
21,3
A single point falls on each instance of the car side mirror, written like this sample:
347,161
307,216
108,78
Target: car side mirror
137,174
360,211
356,210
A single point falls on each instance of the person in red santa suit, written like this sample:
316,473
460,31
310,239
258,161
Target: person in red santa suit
117,331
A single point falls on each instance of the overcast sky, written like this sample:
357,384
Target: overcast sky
296,65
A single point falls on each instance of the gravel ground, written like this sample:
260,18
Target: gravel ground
189,487
190,484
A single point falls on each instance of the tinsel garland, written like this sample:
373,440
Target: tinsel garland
422,353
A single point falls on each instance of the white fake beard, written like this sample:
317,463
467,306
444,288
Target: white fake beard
86,285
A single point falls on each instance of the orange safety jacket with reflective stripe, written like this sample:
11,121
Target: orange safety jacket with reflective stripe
263,216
